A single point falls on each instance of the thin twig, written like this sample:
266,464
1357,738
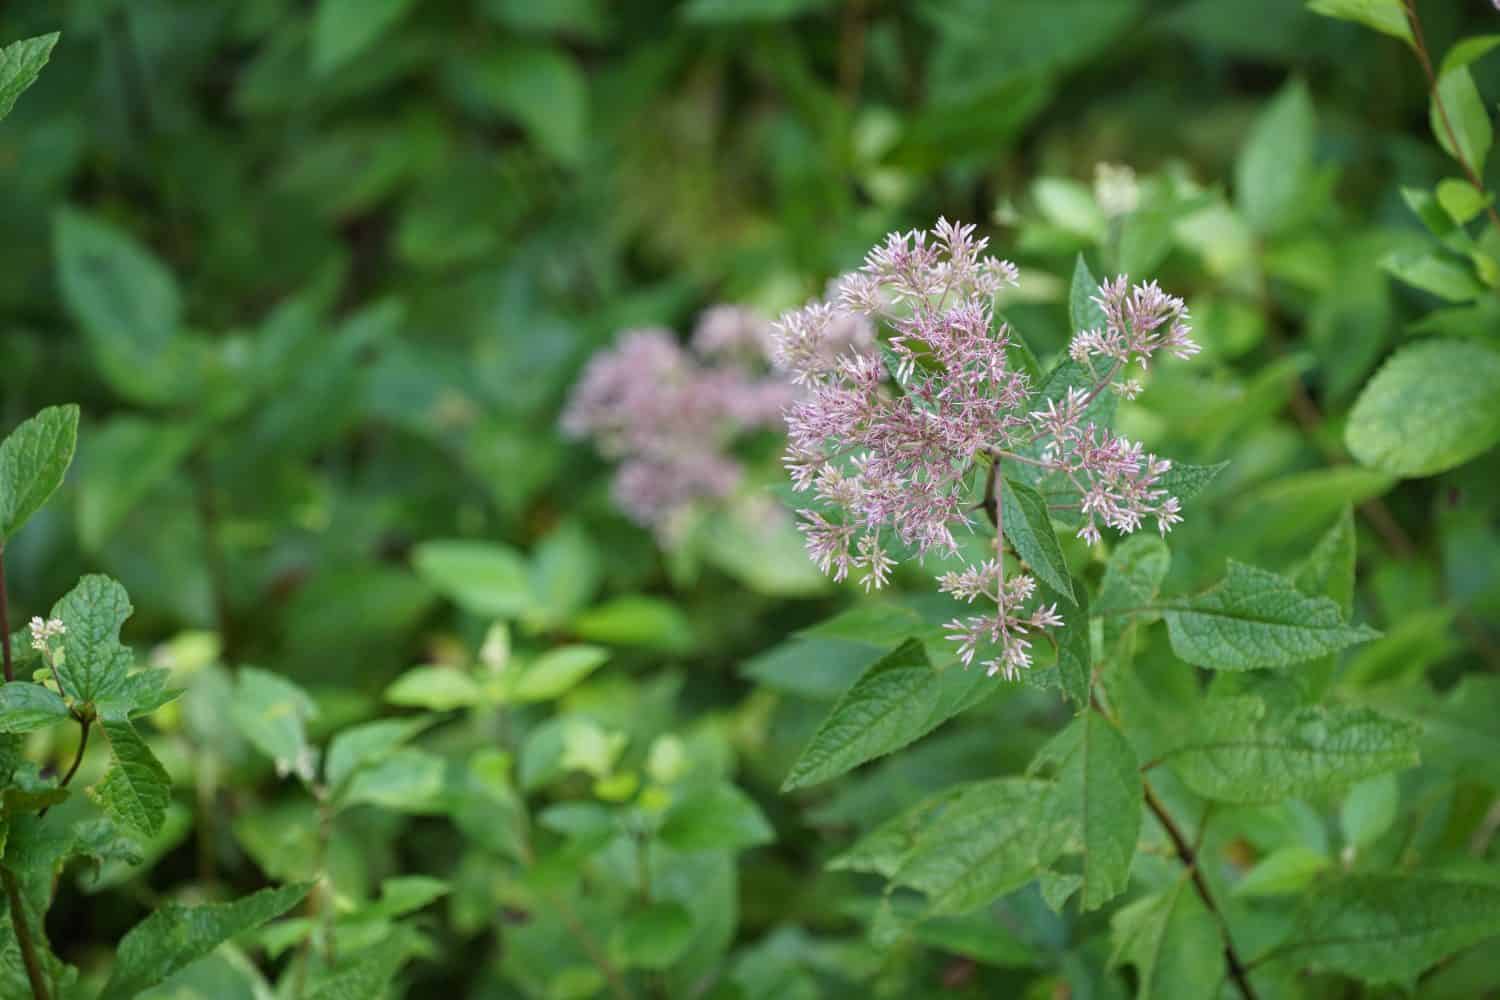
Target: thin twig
1189,857
1420,44
83,745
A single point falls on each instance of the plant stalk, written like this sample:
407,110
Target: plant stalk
39,988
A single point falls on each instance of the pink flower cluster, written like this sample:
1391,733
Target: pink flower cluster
670,415
890,462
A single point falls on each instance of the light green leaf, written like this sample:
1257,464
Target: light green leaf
1461,200
33,460
136,789
652,937
25,707
1029,530
1233,753
720,817
1099,789
343,29
1277,160
1459,118
1257,619
1438,273
94,664
175,936
1173,943
1132,579
406,780
899,699
272,712
483,578
437,688
1284,872
1388,928
1385,16
1369,810
1432,407
20,63
367,744
556,672
124,299
637,620
540,86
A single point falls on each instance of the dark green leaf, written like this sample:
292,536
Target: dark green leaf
25,707
1029,530
33,461
136,788
20,62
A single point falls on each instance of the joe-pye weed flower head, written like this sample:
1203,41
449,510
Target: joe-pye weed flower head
886,450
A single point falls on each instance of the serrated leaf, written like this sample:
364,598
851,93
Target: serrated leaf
20,64
1388,928
1257,619
1173,943
1075,664
25,707
136,788
1185,480
94,665
483,578
1099,789
898,700
1233,752
1132,580
175,936
720,817
1029,530
1385,16
1277,159
272,712
1430,408
652,937
33,460
556,672
1328,571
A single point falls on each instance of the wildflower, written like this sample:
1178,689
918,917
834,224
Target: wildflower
44,631
1115,189
890,462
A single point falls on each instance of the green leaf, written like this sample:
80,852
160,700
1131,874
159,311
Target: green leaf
1369,810
1075,663
368,744
1430,408
1132,579
124,299
1464,132
1029,530
637,620
20,62
343,29
652,937
1277,160
1083,312
1328,571
1233,753
33,461
540,86
437,688
175,936
25,707
483,578
368,976
1099,789
1285,871
136,789
272,712
1439,273
720,817
1172,941
1388,928
556,672
1253,619
94,663
984,840
406,780
1461,200
736,11
123,462
898,700
1385,16
1185,481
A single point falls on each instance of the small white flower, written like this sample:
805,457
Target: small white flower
42,631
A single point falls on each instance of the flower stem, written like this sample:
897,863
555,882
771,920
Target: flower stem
18,924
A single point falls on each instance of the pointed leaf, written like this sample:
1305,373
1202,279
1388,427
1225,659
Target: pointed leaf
1171,940
1083,312
20,63
25,707
136,788
33,460
1029,530
94,665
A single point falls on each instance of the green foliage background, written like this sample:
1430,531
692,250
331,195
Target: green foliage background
320,275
